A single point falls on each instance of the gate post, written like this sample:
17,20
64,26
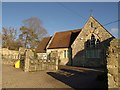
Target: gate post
27,60
56,63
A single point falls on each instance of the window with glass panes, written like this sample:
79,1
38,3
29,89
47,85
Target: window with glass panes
92,48
64,53
93,53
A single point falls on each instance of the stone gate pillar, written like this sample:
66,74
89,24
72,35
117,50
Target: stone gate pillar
27,60
29,54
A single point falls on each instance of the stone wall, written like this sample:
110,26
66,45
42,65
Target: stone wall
8,56
78,46
113,64
60,51
37,64
6,51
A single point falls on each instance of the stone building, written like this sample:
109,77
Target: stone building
89,48
60,45
82,47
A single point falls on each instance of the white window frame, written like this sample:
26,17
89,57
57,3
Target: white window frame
65,54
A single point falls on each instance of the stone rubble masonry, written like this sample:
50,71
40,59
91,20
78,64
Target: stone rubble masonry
78,50
113,64
29,53
8,56
6,51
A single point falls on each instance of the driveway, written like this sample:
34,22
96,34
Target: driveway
16,78
66,77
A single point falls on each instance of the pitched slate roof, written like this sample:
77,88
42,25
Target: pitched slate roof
42,45
64,39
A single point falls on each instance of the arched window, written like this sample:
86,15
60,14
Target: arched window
92,42
92,47
98,41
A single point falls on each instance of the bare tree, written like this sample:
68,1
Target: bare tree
9,38
32,32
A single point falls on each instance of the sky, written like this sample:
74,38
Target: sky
60,16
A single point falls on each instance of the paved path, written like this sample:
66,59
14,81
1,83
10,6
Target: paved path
16,78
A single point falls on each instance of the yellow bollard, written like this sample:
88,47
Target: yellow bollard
17,64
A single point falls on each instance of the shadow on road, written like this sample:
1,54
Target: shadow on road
80,79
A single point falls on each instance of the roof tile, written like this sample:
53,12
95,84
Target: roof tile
64,39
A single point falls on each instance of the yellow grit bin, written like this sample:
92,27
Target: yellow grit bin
17,64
